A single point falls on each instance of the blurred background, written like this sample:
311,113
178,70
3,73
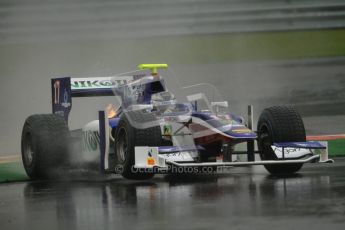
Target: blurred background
260,52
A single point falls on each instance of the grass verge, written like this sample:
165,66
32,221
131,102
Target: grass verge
336,148
12,171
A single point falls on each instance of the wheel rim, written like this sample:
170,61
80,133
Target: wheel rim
28,150
121,146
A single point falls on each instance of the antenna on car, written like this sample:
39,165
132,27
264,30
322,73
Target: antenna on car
153,67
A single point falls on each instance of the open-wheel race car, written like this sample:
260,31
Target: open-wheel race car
150,132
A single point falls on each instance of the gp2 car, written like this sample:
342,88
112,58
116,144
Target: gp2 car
149,132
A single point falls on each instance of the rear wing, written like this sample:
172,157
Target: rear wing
63,89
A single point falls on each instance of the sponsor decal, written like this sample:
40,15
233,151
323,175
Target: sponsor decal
286,150
60,113
291,152
65,102
150,160
302,145
243,130
135,93
181,156
56,92
97,83
61,97
171,119
91,141
167,130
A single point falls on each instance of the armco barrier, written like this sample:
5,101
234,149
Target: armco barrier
105,19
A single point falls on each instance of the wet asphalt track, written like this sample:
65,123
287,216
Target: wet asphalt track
244,198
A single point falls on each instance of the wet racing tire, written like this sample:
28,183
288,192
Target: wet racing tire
279,124
128,135
44,145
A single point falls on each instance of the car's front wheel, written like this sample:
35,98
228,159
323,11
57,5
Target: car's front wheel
279,124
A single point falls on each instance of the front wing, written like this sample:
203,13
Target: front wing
287,153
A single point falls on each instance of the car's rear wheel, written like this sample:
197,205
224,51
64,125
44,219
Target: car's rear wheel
44,145
127,137
279,124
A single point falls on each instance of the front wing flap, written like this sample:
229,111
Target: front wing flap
298,150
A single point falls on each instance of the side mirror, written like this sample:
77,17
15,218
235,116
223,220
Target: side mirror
219,104
196,97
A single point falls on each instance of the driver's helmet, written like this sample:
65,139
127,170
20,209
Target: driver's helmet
163,101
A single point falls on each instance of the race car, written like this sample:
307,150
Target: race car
149,131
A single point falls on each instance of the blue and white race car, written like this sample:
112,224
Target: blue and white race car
150,132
